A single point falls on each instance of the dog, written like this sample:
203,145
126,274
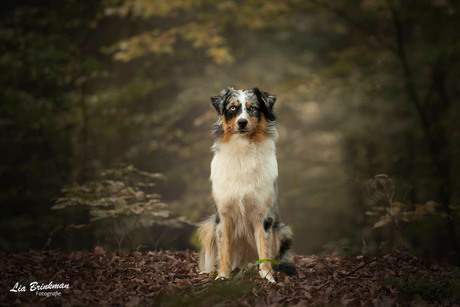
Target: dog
245,225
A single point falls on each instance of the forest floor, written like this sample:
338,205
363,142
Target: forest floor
166,278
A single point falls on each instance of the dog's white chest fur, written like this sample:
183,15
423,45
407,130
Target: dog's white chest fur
243,175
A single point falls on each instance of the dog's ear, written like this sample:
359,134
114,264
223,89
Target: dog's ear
268,101
218,101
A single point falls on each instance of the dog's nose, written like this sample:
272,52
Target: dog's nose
242,123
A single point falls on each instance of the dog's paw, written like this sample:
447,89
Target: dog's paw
223,276
267,275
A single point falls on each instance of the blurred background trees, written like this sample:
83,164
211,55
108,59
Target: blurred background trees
364,88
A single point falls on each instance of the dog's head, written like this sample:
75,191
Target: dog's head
244,112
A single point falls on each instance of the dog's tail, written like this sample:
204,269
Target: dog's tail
282,248
208,253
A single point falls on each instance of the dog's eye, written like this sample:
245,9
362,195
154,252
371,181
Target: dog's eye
252,109
233,109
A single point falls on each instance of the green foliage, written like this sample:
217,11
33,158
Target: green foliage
400,225
217,293
381,192
120,201
241,285
162,43
428,290
119,192
251,269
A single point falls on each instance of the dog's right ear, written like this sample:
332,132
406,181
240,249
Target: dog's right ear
218,101
267,100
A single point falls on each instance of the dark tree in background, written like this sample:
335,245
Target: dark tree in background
416,44
364,88
46,57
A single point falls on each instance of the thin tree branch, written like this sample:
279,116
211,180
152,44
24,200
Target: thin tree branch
361,266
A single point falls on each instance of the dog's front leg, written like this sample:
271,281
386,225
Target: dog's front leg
262,238
225,249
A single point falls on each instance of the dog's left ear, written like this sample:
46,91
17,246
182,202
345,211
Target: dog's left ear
218,101
268,100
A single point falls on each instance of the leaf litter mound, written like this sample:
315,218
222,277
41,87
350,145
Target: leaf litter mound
167,278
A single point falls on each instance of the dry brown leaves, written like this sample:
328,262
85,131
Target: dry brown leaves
171,278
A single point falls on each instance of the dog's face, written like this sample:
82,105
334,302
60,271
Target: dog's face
244,111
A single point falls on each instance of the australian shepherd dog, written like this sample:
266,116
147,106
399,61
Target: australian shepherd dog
245,226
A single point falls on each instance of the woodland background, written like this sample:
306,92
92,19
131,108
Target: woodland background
105,120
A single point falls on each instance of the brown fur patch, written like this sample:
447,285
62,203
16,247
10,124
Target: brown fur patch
275,243
228,131
269,200
262,247
208,253
226,247
260,134
216,201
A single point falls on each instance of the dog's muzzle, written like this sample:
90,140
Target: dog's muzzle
242,123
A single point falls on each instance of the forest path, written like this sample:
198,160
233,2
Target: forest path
169,278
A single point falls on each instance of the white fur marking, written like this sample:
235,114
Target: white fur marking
242,175
267,275
242,98
222,276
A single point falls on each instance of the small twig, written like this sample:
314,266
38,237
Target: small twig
327,265
361,276
50,237
361,266
323,284
125,232
160,238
